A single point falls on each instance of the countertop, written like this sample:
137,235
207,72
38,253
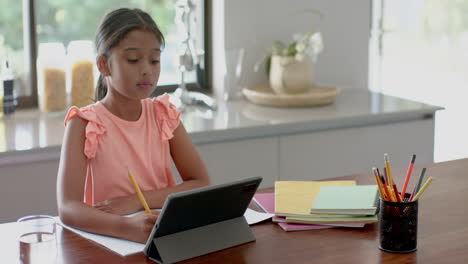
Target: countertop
33,132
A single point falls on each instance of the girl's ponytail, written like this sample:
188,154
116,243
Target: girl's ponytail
101,89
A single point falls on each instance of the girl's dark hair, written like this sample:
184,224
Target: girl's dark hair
113,28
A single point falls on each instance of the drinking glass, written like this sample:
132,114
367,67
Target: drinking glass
37,241
234,59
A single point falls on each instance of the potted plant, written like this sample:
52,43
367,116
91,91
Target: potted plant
290,67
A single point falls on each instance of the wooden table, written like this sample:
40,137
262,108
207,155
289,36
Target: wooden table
442,233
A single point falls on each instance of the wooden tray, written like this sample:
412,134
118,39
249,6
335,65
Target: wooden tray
316,95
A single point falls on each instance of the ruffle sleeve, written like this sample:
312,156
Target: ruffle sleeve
168,116
94,128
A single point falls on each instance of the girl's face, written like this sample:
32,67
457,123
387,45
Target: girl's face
134,65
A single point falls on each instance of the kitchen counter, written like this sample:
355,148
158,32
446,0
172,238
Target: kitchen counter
28,135
236,141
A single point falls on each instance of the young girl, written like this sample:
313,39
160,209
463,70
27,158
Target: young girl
124,131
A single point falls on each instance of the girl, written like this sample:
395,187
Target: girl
124,131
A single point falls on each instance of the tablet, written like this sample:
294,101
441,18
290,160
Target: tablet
196,214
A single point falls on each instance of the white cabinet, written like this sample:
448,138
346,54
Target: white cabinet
232,160
320,154
339,152
28,189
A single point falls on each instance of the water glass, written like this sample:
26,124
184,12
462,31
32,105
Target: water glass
234,59
37,241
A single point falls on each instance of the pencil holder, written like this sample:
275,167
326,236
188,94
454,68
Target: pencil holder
398,226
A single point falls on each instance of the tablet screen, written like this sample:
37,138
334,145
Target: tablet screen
190,209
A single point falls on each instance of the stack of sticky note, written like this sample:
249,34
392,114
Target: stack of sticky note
305,205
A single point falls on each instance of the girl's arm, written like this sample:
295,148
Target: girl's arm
70,190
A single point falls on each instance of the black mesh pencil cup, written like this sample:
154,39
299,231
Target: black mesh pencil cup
398,226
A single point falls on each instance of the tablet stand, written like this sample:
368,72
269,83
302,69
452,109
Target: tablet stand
200,241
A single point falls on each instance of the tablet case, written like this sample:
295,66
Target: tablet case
200,221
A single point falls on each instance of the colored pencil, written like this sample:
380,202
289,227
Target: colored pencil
389,172
382,179
390,179
408,175
418,186
388,193
423,188
398,196
423,172
385,175
379,183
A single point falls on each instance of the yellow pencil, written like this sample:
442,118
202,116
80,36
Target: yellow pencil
416,197
392,193
379,184
389,172
389,175
138,191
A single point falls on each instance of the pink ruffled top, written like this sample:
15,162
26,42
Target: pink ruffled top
112,145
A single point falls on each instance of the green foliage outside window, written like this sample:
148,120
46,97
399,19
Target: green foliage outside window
67,20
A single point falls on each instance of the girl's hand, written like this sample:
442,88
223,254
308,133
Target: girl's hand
139,226
120,205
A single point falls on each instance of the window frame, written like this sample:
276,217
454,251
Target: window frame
30,56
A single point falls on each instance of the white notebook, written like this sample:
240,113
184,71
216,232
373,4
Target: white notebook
125,247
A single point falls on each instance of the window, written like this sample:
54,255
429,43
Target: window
421,54
67,20
12,45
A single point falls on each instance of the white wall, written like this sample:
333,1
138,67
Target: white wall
253,25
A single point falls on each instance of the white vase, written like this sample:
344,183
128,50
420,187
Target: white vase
291,74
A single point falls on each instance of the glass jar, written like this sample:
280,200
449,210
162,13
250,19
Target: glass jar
51,77
81,82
